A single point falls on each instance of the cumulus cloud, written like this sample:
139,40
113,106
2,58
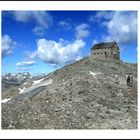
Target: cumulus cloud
82,31
121,26
58,53
25,63
42,19
7,45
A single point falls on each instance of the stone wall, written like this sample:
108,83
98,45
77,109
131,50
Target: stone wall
111,53
102,53
116,53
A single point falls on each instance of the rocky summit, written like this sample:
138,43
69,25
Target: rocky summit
82,95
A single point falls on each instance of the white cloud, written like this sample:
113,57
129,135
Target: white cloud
31,55
7,45
65,24
25,63
54,65
95,42
60,52
22,16
121,26
107,15
38,30
22,69
82,31
42,19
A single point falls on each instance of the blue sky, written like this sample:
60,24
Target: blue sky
43,41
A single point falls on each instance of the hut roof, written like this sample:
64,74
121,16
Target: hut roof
103,45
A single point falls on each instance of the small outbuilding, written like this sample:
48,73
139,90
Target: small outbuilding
106,50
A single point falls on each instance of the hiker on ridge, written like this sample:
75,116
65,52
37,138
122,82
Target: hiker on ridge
129,79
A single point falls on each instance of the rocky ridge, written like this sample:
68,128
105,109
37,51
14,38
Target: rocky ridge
82,95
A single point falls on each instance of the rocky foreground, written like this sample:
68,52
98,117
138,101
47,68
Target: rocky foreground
83,95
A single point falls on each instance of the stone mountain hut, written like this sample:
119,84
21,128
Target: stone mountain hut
106,50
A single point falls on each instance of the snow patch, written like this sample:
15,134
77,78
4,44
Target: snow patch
37,81
92,73
21,90
5,100
44,83
25,83
48,82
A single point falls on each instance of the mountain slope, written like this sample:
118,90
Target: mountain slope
82,95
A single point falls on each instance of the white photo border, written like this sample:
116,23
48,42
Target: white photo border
71,5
